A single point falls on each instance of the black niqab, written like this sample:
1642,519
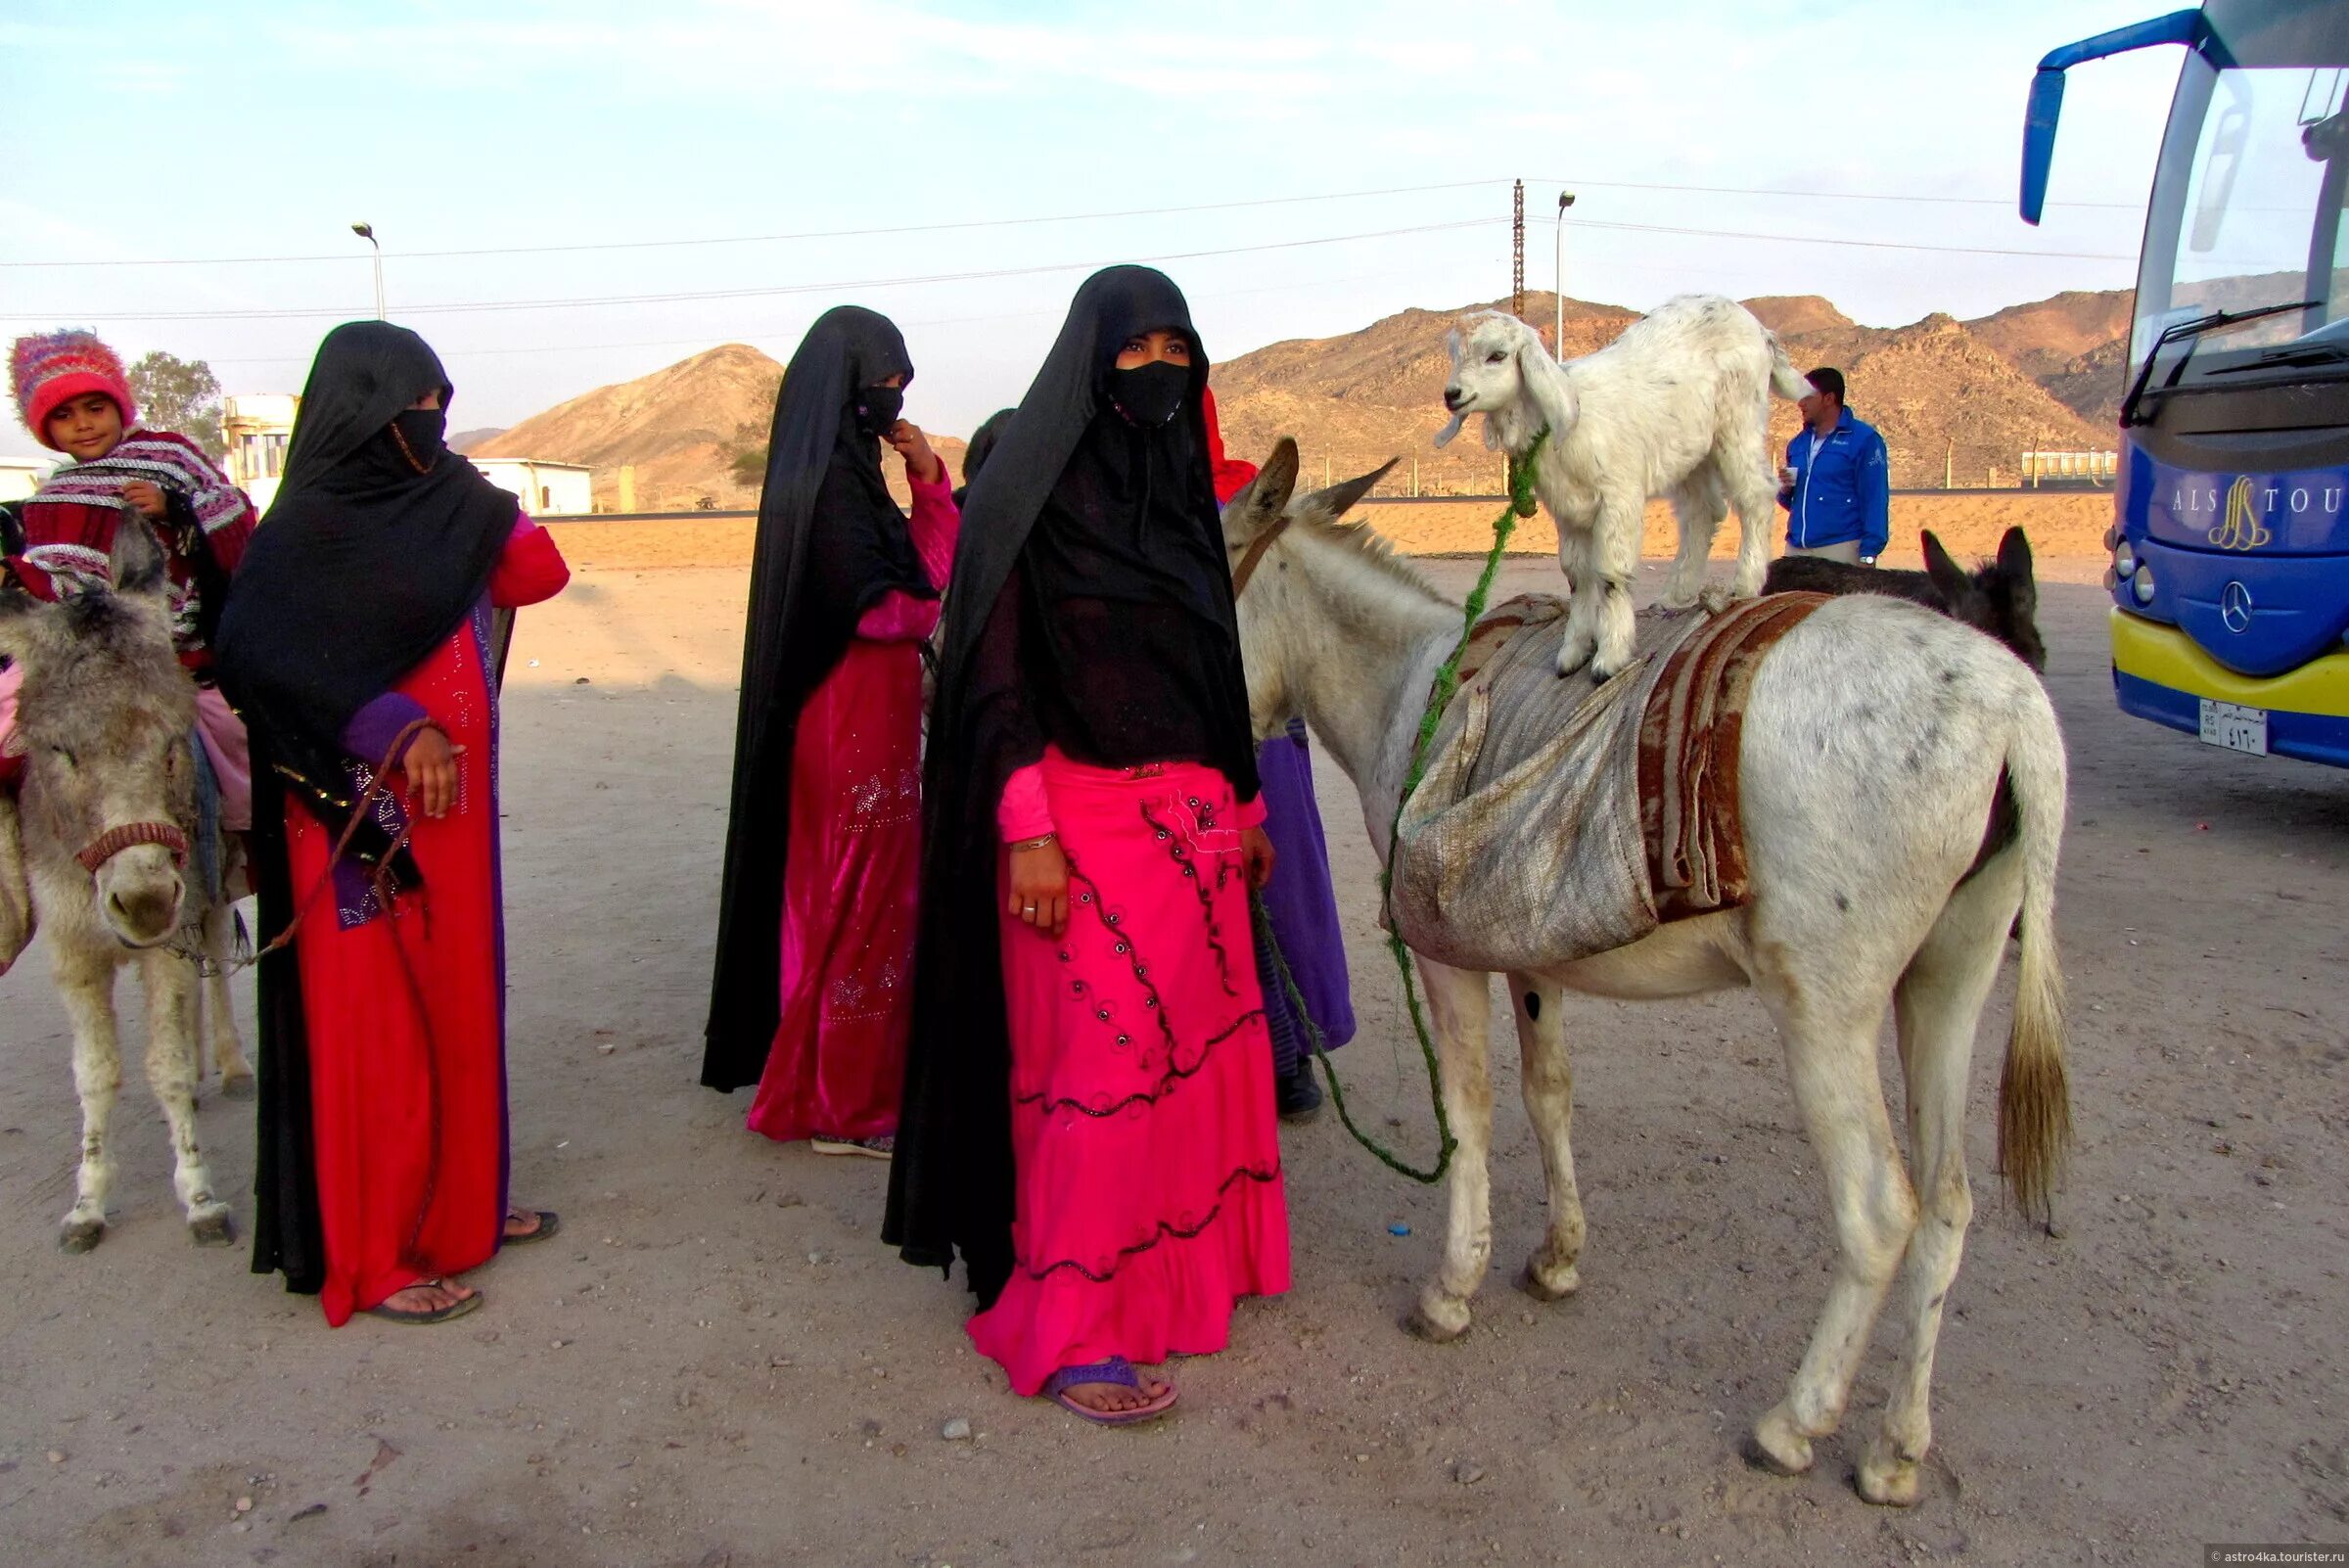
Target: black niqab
1076,504
376,549
831,543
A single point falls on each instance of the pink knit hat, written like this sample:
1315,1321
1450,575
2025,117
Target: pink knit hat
47,368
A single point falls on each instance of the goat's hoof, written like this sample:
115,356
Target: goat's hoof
1601,672
1776,1446
212,1230
1888,1480
1420,1327
239,1086
81,1235
1567,1282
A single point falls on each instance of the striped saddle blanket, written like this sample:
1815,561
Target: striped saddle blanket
1562,818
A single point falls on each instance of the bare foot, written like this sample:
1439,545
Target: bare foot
429,1296
1113,1399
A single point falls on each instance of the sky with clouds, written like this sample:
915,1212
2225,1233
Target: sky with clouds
576,191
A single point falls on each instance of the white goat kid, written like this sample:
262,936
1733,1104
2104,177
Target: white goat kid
1875,737
1677,407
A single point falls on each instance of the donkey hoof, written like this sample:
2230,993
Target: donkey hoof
1421,1327
238,1087
212,1230
1886,1479
81,1235
1776,1446
1567,1282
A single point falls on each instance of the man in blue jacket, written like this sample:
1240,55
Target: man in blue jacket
1837,483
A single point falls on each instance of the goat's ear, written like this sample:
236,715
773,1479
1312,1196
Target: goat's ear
138,560
1451,343
1946,575
1329,505
1546,384
2015,565
1264,498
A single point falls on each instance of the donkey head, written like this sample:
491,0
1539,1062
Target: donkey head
104,717
1253,524
1500,369
2001,598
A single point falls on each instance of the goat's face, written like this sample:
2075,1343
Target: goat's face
104,717
1485,374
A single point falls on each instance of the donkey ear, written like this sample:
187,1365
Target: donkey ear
1264,498
1329,505
2015,565
22,618
138,560
1946,575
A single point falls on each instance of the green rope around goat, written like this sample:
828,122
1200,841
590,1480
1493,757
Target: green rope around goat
1522,503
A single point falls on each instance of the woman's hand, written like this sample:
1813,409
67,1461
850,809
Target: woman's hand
1040,888
921,463
430,765
148,499
1255,852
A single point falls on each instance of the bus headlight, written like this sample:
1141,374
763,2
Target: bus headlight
2123,558
2142,584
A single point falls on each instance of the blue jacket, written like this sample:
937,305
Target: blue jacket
1842,488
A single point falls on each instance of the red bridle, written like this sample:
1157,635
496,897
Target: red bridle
115,839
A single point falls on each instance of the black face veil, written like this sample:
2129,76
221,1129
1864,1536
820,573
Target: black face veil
831,542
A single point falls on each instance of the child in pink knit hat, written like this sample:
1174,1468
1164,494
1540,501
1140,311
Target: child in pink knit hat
75,398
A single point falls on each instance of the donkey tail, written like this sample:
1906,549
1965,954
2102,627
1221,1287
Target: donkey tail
1784,379
2035,1115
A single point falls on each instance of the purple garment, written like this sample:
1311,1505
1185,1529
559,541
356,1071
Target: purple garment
1302,906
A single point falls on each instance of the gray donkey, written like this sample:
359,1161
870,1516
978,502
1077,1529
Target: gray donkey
108,816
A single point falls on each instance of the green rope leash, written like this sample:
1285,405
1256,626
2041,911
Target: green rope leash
1522,503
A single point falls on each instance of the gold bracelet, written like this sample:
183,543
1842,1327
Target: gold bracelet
1033,843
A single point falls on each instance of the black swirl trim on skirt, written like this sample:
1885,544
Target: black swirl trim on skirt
1123,946
1165,1230
1205,895
1167,1081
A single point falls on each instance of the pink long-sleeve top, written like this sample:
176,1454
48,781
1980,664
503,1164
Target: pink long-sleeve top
898,615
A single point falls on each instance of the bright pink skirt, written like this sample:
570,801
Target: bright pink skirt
1147,1161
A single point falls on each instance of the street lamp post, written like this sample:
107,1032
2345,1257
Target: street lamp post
366,231
1558,284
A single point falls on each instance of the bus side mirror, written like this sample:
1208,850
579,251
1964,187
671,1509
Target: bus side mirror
2039,139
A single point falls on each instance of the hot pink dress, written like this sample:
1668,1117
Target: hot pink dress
850,882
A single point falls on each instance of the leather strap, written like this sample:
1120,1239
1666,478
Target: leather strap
1256,554
115,839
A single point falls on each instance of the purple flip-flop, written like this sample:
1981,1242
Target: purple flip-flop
1116,1370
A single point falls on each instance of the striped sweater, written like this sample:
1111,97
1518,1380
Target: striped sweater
70,525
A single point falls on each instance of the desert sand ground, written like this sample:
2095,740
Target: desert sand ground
718,1363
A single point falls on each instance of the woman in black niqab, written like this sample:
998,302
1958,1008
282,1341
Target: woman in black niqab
810,993
1093,1064
355,641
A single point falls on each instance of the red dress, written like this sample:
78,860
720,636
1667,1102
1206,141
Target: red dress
850,882
405,1006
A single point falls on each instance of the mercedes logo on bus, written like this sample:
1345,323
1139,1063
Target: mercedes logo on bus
2235,607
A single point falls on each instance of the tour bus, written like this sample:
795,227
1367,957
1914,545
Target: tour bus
2229,574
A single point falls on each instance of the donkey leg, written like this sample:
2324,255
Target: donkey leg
1548,1088
85,984
1460,1007
220,1006
1699,508
1832,1062
1938,1005
172,1050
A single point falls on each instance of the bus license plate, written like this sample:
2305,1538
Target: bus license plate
2234,726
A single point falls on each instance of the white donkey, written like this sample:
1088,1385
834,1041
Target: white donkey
1874,742
1679,405
107,811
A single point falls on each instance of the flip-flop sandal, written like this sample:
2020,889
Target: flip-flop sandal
456,1307
883,1148
1116,1370
549,1222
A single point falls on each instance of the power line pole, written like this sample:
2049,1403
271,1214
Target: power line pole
1517,256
